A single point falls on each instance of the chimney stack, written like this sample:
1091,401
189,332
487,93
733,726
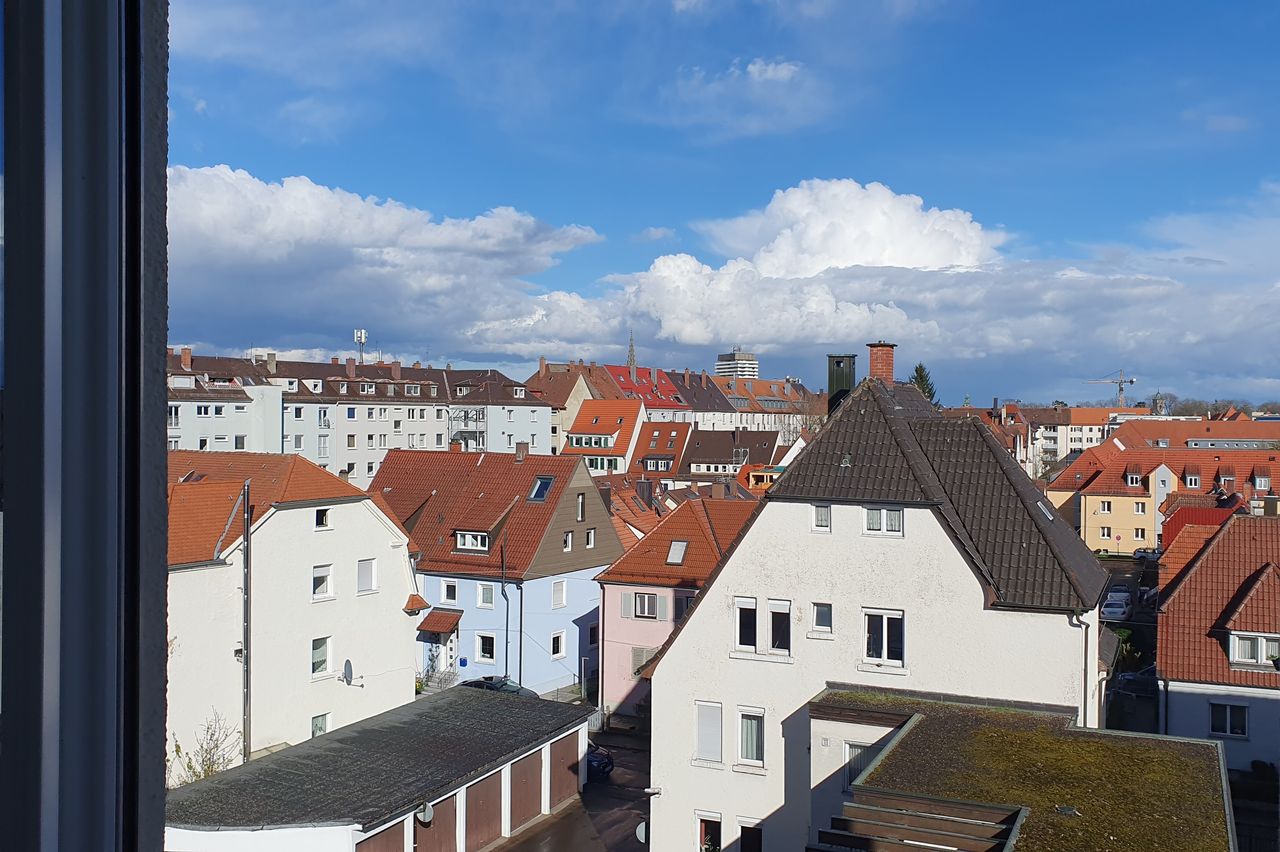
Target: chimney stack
169,350
351,368
882,361
271,363
606,494
334,360
455,446
644,490
704,379
542,366
186,357
522,450
417,365
686,377
395,370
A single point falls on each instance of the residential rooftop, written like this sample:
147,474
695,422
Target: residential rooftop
1124,791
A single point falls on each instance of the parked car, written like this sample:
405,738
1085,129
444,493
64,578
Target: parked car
1141,682
1120,592
1116,610
599,762
498,683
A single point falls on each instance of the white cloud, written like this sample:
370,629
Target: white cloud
653,234
761,97
1217,121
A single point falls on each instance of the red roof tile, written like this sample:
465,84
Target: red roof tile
606,417
652,387
1259,609
659,441
1212,517
705,526
1191,538
415,603
441,620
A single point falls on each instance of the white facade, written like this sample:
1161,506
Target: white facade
1187,711
228,423
366,628
952,643
353,437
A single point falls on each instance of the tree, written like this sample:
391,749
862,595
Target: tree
216,748
924,382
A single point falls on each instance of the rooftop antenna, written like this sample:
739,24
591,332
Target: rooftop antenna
1119,382
361,337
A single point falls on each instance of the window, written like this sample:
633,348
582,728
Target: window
1262,483
449,591
369,468
319,724
320,656
351,442
1255,650
708,831
439,440
368,441
240,441
591,538
568,541
1229,720
382,414
173,443
322,446
367,575
683,602
593,634
371,414
484,595
219,411
822,617
710,744
1104,532
582,507
322,519
351,413
1139,535
884,637
366,387
203,443
511,441
382,441
558,594
541,486
297,412
646,605
675,553
1104,507
397,427
486,647
203,411
745,637
822,517
884,521
439,411
751,736
174,411
471,540
1139,507
297,442
412,390
857,757
751,838
1193,480
511,416
1133,480
780,627
557,645
320,588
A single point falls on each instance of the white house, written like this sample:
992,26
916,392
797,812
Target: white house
898,551
332,603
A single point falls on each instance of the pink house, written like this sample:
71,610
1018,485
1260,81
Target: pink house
647,592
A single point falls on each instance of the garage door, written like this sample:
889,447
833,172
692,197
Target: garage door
526,789
442,834
484,812
388,840
564,768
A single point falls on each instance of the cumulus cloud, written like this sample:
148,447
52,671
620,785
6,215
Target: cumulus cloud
757,98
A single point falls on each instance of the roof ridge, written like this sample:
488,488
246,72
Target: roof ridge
704,518
1205,549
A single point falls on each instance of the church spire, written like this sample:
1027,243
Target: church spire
631,350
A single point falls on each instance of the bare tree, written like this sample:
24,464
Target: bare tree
216,748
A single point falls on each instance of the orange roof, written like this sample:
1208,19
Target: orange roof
627,509
204,491
441,621
707,527
436,494
659,440
1181,549
1230,585
606,417
1079,416
786,397
1104,473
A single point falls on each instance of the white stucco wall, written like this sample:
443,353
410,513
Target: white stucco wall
1186,709
370,629
952,645
325,838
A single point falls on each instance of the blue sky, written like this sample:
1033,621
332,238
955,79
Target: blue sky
1112,168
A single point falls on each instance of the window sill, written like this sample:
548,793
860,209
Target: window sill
767,658
484,662
1237,737
366,593
825,635
323,598
889,670
749,769
316,678
324,529
706,764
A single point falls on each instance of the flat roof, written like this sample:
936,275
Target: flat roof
1130,791
373,771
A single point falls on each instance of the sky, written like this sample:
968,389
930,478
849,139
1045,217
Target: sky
1024,196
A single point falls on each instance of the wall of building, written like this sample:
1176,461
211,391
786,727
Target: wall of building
621,690
1099,528
1186,710
952,645
828,765
256,419
314,838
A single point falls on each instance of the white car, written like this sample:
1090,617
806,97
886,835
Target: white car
1116,610
1120,592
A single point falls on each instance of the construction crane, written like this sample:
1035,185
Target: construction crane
1119,382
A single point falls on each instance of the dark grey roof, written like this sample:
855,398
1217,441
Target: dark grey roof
881,446
697,397
375,770
716,447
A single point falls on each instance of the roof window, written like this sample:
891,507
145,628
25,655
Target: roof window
541,486
675,554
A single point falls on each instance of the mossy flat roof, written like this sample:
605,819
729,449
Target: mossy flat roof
1131,791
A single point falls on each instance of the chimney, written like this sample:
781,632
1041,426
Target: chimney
522,450
271,363
395,370
334,360
417,365
882,361
186,357
593,364
169,350
351,368
704,379
644,490
686,377
455,446
606,494
344,475
542,366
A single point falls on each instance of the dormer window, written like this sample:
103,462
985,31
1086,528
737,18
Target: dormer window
315,386
518,393
432,391
1133,480
1193,480
462,390
478,541
366,388
342,387
391,390
412,390
293,385
1254,649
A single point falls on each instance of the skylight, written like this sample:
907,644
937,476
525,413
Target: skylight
675,556
541,486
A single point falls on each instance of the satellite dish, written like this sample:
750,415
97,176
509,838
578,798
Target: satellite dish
642,833
346,672
425,813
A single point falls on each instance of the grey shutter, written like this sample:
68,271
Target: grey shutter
709,736
662,608
628,604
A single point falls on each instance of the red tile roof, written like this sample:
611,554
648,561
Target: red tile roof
1179,551
554,388
1232,578
627,509
437,494
441,620
652,387
1101,470
706,526
1213,517
659,440
784,397
606,417
416,603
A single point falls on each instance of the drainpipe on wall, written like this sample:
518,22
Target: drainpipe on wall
1084,681
506,624
248,610
520,660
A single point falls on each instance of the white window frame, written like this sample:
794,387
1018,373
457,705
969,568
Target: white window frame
1133,480
325,571
1139,534
1104,507
884,660
328,658
1140,507
701,750
739,604
743,712
1228,708
676,551
881,515
323,718
567,541
649,611
816,518
471,540
445,597
1262,483
480,590
480,658
1260,641
373,576
777,606
564,648
322,517
582,506
1105,532
591,538
1193,480
559,594
831,611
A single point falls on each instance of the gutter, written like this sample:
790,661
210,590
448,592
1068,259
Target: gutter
1078,614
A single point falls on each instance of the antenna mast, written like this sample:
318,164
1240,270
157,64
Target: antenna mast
361,337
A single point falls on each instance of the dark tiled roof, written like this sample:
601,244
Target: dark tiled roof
691,388
882,446
372,771
716,447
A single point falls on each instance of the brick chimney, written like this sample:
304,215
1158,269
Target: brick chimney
186,357
686,377
644,491
542,365
881,361
455,446
522,450
169,350
606,494
351,368
271,363
704,379
395,370
334,360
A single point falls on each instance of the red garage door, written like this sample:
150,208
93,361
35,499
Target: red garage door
484,812
442,834
564,768
388,840
526,789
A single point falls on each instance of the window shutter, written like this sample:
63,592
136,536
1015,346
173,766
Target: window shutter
662,608
709,737
628,604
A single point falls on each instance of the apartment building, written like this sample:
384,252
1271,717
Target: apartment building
739,364
899,551
333,603
709,456
605,434
564,389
